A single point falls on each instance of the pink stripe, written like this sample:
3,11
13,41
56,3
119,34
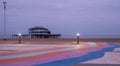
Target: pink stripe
86,43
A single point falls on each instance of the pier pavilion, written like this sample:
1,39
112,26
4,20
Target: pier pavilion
42,32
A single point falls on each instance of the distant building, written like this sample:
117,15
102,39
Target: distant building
42,32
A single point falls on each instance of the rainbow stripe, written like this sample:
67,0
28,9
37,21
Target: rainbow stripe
51,55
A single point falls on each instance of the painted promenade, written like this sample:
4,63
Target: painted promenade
56,55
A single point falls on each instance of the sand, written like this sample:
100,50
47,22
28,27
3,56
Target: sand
56,40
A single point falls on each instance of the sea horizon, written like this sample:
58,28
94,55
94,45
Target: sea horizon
73,36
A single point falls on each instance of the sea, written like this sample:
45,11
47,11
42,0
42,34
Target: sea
74,36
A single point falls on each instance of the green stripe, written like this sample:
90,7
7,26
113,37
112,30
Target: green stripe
93,44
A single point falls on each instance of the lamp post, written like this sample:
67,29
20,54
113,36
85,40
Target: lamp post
19,36
78,35
4,4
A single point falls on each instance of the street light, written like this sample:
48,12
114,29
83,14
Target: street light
19,36
78,35
4,4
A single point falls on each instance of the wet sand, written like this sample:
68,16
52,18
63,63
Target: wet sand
57,40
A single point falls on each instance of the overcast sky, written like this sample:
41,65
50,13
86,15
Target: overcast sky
68,17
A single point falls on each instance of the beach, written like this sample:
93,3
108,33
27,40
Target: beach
62,41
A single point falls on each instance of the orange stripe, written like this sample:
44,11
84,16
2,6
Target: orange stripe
100,44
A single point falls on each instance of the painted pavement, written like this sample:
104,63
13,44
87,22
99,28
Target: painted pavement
53,55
